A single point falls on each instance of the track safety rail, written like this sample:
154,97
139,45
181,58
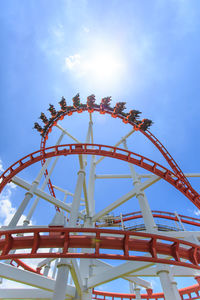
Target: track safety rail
61,114
128,243
102,150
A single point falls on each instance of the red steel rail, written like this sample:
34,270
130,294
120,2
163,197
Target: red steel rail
153,245
189,293
129,244
102,150
61,114
159,214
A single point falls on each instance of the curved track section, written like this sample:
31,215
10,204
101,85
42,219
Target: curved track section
102,150
190,293
61,114
179,252
159,214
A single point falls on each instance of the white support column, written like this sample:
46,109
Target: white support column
91,184
88,137
143,202
87,295
67,133
122,222
34,205
180,222
29,194
77,198
20,209
46,270
63,265
168,284
27,197
117,144
146,212
137,292
61,280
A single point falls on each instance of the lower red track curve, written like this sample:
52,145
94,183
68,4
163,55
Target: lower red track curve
102,150
193,254
178,252
190,293
99,239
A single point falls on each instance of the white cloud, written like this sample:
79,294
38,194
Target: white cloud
197,212
73,61
86,29
7,210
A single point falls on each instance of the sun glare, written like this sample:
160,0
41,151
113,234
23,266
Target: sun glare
101,64
104,66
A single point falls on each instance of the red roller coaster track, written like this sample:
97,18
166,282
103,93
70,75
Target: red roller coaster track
190,293
61,114
159,214
130,243
102,150
125,241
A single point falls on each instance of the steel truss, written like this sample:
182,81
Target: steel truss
78,254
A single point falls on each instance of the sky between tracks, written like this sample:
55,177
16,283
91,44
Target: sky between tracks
145,53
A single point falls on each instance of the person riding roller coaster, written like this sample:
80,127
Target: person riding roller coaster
44,118
145,124
119,107
133,115
105,103
76,101
63,104
38,127
52,110
90,101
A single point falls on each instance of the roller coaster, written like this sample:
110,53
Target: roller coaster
73,250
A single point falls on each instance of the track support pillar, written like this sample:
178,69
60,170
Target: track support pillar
168,285
61,280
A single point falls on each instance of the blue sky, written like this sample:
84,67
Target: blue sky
151,52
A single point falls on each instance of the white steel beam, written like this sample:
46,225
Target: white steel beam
28,196
91,184
112,176
117,144
142,199
103,266
67,133
116,272
186,235
87,141
63,265
125,198
92,136
175,270
65,191
80,162
29,278
27,294
125,176
76,276
34,205
186,175
169,289
38,192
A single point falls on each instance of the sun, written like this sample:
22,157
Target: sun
104,66
100,63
